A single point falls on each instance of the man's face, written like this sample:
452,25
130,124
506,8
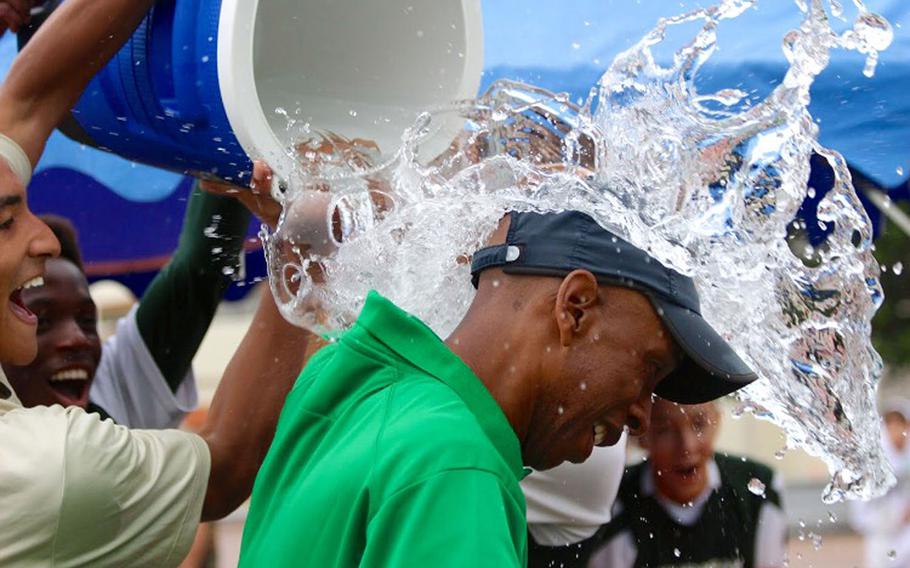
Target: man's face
25,244
600,375
69,349
680,443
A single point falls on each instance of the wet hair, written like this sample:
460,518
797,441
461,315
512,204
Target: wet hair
65,232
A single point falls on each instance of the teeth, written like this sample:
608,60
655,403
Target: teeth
600,433
70,375
33,283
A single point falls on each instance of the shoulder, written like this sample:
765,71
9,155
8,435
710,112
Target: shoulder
738,468
429,428
739,472
65,466
630,486
33,449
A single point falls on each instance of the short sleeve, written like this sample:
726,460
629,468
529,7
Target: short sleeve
130,387
453,518
105,495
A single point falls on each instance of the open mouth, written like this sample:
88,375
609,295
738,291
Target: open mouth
605,435
687,473
17,306
71,386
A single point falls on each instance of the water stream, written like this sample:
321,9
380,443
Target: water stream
709,183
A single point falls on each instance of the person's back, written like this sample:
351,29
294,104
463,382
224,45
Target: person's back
386,436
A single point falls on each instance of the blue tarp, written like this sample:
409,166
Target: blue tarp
129,215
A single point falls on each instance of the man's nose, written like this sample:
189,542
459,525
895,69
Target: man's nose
72,336
43,243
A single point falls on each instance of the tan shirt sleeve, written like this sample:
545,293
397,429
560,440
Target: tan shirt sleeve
78,491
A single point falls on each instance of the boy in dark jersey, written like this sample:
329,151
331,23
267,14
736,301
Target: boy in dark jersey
687,505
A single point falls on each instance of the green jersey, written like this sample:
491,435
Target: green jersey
389,452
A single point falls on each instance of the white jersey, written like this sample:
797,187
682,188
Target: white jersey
567,504
129,386
79,491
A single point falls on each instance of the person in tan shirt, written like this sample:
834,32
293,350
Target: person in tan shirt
76,490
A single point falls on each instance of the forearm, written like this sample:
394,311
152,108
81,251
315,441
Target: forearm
177,308
49,75
245,410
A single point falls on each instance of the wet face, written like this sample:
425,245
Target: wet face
680,444
25,244
69,348
896,426
608,352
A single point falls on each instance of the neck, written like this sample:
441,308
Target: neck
487,346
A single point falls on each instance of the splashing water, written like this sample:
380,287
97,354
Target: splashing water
756,487
707,183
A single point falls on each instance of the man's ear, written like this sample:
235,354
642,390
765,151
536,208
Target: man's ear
576,300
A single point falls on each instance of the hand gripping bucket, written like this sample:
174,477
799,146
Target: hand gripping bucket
202,85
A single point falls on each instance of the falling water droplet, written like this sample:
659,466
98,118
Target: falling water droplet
816,540
756,487
677,553
899,170
897,268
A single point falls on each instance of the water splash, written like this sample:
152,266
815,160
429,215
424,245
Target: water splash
708,183
756,487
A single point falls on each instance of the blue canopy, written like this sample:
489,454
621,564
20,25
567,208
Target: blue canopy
129,215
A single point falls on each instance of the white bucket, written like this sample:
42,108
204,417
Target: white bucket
360,69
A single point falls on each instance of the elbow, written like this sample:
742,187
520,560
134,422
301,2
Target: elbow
230,484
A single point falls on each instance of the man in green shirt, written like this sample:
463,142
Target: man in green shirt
395,448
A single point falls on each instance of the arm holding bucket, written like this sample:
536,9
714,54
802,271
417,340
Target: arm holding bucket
50,73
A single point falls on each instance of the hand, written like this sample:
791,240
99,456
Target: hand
257,198
14,14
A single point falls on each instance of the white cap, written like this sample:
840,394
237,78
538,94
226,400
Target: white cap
16,158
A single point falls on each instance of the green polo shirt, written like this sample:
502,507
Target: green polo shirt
389,452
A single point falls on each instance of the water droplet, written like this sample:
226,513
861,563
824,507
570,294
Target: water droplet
496,283
583,385
816,540
352,112
899,170
897,268
419,33
205,58
576,45
677,553
832,518
892,554
756,487
560,409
